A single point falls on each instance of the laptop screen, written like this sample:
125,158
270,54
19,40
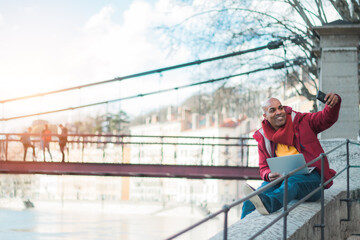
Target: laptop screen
286,164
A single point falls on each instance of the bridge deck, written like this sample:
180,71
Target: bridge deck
134,170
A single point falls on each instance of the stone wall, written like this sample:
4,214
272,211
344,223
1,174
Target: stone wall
335,229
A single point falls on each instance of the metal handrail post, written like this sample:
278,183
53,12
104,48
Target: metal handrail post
122,149
322,197
162,150
247,155
175,153
82,149
6,147
212,155
322,211
348,178
226,209
242,152
347,200
286,180
202,151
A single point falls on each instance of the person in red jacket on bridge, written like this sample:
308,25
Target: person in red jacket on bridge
285,132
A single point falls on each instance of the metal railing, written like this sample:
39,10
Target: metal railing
286,209
163,148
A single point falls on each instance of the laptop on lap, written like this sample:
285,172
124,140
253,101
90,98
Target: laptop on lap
286,164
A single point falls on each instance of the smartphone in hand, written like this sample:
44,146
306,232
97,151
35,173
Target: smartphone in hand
321,96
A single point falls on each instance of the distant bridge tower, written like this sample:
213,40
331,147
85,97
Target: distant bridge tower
339,72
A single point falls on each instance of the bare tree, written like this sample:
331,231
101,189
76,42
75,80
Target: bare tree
228,25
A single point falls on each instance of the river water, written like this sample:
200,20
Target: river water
102,220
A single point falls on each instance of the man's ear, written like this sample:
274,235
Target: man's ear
264,115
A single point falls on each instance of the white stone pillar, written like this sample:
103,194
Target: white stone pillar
339,73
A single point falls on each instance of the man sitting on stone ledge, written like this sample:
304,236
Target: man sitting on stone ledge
286,132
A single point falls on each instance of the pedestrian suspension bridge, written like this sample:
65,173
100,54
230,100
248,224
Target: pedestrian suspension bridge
142,156
136,156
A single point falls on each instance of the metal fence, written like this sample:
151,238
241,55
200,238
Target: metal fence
112,148
286,209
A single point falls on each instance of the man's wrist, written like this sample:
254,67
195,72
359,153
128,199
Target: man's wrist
267,177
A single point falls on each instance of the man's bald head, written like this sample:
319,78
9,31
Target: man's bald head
270,101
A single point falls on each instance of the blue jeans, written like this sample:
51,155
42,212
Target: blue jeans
298,187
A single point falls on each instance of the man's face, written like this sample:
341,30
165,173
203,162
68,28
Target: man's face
275,113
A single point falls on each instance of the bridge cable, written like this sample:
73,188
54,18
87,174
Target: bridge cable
274,66
271,45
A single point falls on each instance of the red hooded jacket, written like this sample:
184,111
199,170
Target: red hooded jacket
306,127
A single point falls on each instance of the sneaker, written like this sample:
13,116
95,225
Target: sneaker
256,200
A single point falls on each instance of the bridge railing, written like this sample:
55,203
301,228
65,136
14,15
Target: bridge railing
113,148
286,209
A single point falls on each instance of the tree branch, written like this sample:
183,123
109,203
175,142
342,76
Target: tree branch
297,6
342,7
356,11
